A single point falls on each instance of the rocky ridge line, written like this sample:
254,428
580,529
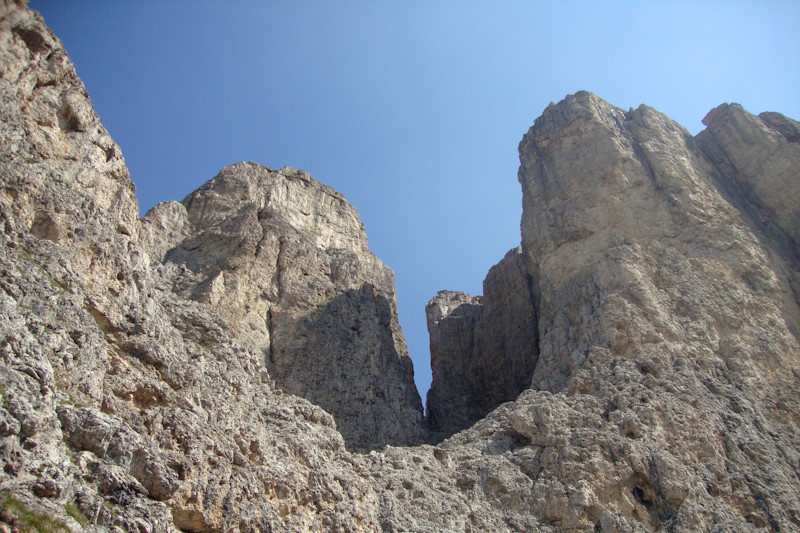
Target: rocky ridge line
664,395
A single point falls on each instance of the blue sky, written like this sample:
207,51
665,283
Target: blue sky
412,110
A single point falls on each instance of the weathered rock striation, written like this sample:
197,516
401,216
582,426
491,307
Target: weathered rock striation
649,313
756,158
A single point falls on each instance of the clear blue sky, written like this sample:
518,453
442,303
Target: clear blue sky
412,110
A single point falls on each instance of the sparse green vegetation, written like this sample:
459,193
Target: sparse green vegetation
73,511
25,256
70,400
56,286
4,395
28,258
27,520
112,507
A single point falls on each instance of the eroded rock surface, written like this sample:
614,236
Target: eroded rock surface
125,406
135,385
453,402
283,259
637,250
665,394
757,157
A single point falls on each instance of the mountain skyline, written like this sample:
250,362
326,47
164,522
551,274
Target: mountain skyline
413,112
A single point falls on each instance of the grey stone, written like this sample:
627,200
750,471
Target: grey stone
484,349
284,260
138,386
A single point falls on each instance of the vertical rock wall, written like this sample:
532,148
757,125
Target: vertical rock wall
635,251
662,269
759,157
483,349
454,401
284,260
665,389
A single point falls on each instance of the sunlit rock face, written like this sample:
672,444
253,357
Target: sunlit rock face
666,371
124,405
643,338
283,259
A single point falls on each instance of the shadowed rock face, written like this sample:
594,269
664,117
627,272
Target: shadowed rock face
455,402
483,349
138,358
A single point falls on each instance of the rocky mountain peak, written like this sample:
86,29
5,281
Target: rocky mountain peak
305,204
757,157
283,259
233,362
583,105
657,263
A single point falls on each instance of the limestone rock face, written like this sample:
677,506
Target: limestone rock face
483,349
453,401
757,159
124,406
631,247
138,358
758,156
667,369
661,300
283,259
